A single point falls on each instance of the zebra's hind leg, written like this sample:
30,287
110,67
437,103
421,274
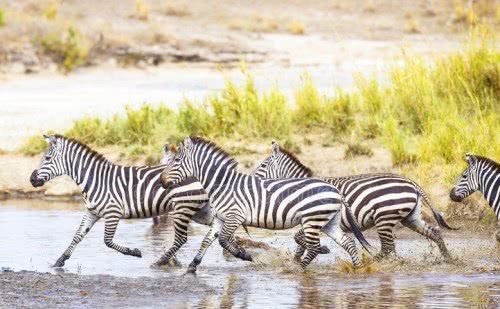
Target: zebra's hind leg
385,232
416,223
347,243
226,234
301,246
311,235
205,244
110,224
88,221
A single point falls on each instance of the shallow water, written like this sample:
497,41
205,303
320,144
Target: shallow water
34,234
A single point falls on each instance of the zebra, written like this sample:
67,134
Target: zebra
115,192
239,199
381,199
482,174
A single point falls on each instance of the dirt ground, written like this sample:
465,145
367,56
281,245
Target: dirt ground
27,289
151,32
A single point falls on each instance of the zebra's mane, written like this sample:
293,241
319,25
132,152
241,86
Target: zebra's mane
495,164
87,148
297,161
200,140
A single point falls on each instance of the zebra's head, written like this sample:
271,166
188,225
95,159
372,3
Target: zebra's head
270,167
281,164
51,164
468,182
180,166
169,152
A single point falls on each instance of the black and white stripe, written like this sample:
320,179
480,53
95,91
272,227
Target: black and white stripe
239,199
380,200
482,174
115,192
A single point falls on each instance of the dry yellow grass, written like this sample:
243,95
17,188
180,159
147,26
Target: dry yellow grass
296,27
171,9
141,10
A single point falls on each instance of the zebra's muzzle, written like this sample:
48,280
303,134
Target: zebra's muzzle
35,181
454,197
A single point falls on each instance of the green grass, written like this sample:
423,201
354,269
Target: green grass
69,50
426,115
2,18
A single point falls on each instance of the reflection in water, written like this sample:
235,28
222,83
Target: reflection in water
35,236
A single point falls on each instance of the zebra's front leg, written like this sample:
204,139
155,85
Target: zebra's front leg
301,246
226,234
180,238
88,221
110,224
205,244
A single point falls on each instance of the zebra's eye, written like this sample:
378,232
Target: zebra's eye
47,158
177,160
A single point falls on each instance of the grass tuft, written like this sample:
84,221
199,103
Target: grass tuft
2,18
356,149
69,50
33,146
141,10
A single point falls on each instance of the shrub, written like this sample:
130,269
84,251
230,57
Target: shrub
357,149
33,146
68,50
2,18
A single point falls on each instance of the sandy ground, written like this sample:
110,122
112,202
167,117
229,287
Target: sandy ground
28,289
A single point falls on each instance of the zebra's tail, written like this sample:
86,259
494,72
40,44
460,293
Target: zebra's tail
439,217
356,230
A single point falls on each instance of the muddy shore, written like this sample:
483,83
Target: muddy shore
27,289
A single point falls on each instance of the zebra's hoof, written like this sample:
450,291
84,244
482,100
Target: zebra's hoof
136,252
58,263
191,270
324,250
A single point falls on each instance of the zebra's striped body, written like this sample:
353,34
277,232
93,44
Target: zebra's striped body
238,199
115,192
380,200
483,175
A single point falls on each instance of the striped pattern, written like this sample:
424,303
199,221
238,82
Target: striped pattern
483,175
239,199
115,192
380,200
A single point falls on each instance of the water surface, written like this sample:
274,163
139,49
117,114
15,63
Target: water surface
34,234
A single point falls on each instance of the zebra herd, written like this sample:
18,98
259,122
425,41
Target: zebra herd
201,182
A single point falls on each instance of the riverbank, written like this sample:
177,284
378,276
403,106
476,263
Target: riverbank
28,289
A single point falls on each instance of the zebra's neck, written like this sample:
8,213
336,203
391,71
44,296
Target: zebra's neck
84,166
489,186
216,174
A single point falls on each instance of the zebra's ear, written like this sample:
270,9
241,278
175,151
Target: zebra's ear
49,139
470,158
187,144
173,148
166,148
275,147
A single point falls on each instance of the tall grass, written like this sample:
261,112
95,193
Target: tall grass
429,114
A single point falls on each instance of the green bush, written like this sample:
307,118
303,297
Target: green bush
33,146
68,50
2,18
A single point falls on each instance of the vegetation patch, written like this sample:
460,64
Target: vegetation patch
69,50
427,115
